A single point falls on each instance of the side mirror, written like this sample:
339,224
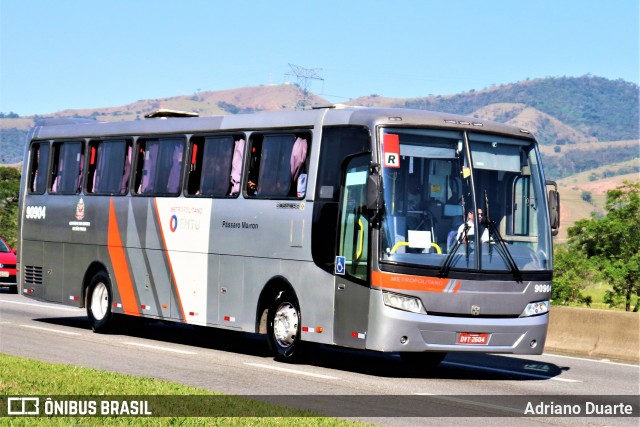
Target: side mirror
373,193
15,251
554,208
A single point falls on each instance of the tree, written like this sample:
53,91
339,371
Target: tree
9,190
571,272
612,243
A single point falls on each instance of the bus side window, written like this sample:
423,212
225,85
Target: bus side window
38,167
277,167
211,170
109,167
66,173
159,166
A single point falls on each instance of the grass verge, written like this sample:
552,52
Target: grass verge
25,377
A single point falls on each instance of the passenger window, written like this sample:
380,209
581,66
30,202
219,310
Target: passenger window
159,166
66,171
278,166
109,167
38,167
215,168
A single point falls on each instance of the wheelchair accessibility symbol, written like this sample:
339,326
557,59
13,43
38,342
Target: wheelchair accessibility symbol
340,263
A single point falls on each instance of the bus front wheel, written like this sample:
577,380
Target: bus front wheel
283,327
99,299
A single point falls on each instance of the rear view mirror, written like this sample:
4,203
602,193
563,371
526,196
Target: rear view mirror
554,208
373,193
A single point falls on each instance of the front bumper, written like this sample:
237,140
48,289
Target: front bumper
396,330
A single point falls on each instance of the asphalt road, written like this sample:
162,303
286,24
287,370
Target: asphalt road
367,382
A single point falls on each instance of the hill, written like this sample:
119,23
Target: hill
574,119
597,107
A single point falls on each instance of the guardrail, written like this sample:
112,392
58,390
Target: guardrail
596,333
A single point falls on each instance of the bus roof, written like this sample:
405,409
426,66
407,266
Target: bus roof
83,128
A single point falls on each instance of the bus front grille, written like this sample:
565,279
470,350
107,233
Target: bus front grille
32,275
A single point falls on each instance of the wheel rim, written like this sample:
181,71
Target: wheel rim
99,301
285,324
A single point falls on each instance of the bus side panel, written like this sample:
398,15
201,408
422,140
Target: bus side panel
182,229
145,280
31,268
213,289
231,306
314,288
77,258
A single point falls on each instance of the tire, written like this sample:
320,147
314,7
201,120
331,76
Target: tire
99,300
283,328
423,361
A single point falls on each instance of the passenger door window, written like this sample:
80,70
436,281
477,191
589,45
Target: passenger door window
353,242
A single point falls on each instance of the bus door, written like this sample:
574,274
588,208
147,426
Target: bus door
352,266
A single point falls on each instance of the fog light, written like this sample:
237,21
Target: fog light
533,344
403,340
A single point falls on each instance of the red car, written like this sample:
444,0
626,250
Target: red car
8,267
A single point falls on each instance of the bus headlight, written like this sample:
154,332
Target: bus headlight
402,302
535,309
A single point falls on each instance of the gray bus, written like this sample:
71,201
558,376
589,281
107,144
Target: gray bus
384,229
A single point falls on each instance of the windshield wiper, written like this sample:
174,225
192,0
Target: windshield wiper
502,248
446,265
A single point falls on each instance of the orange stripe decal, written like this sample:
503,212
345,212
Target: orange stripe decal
455,289
409,283
120,267
166,250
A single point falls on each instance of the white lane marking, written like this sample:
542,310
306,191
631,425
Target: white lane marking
156,347
504,371
471,402
607,361
291,371
53,307
57,331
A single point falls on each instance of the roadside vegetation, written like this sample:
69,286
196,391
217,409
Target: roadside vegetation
602,250
25,377
9,190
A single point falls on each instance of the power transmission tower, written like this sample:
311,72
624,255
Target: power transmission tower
303,77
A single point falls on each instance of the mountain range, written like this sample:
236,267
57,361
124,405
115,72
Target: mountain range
587,127
582,123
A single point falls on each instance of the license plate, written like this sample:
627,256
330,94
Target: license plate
469,338
4,274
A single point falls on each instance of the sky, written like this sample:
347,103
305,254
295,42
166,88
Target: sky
74,54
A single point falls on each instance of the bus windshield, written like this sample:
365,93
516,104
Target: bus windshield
444,185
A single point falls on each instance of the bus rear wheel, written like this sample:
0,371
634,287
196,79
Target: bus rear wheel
99,300
283,327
